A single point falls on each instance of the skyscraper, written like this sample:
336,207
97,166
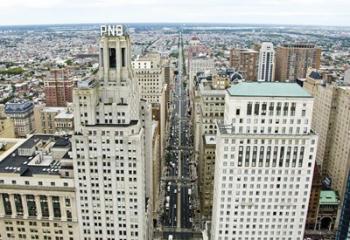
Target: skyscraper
109,146
58,88
265,156
331,117
293,60
209,108
244,61
266,70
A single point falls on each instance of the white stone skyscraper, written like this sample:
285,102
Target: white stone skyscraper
266,70
265,156
109,146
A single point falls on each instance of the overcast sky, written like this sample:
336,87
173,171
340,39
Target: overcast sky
306,12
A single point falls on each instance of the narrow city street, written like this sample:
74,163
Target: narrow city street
177,181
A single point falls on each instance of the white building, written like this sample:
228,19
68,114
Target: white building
265,156
204,64
109,149
266,70
37,192
150,75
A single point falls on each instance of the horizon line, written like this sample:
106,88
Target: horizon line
211,23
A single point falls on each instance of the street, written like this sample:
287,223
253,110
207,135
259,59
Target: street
177,217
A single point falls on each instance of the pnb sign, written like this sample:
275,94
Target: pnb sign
112,30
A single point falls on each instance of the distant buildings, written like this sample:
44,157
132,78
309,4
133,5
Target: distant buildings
265,156
58,88
203,64
22,114
37,192
245,61
293,60
266,69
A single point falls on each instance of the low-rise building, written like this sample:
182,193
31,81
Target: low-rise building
37,193
22,114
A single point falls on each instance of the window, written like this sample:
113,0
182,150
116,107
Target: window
112,58
31,205
56,207
44,206
123,57
249,108
256,109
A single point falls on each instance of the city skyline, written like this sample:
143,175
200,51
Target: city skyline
290,12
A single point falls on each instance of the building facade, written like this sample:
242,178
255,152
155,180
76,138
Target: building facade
265,156
246,62
209,108
37,192
22,114
266,69
58,88
331,117
150,74
7,129
109,141
293,60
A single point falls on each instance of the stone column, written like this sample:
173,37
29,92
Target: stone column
63,208
2,209
49,202
38,207
13,205
25,206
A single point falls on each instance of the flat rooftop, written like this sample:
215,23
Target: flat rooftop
268,89
34,156
209,139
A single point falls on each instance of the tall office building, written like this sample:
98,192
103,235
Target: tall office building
58,87
198,64
266,69
265,156
150,75
245,61
331,117
293,60
109,147
209,108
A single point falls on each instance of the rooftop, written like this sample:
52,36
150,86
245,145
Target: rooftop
328,197
268,89
34,156
64,115
209,139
